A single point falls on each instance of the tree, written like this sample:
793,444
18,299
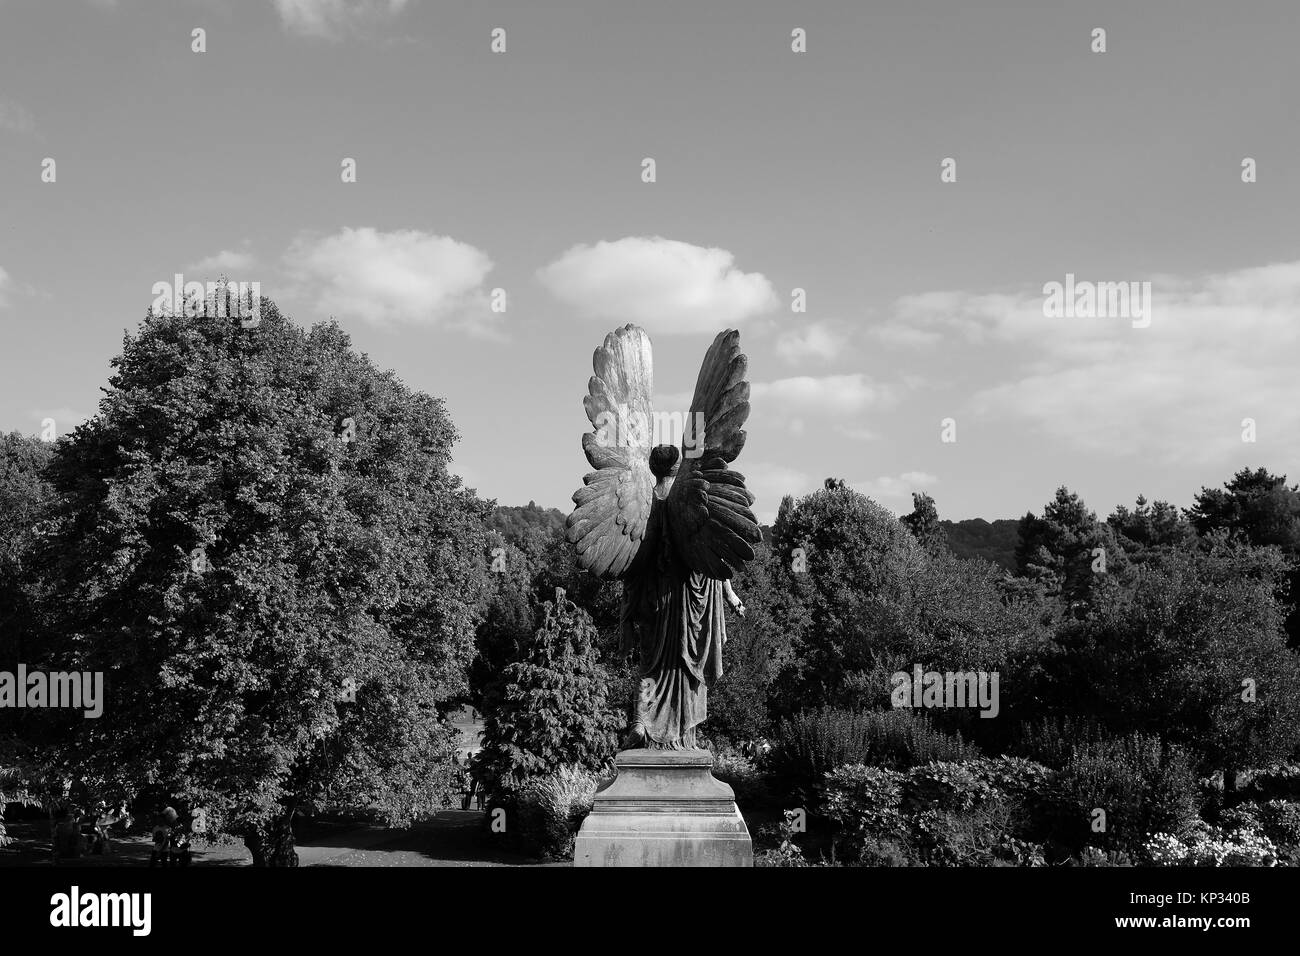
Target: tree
870,600
1067,551
924,521
261,546
1258,507
1149,527
1190,646
552,708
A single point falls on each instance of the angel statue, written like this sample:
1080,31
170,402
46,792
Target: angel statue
673,523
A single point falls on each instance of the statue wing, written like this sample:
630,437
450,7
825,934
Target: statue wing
711,526
608,525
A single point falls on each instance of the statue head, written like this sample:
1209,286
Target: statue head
664,460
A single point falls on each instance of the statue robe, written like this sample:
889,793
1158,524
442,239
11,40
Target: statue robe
675,619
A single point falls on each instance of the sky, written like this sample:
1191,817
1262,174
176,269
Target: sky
922,171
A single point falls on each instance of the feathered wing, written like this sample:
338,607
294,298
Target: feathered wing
608,525
709,517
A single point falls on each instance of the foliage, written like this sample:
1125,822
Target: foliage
1172,649
739,772
552,708
975,812
868,599
256,521
924,522
550,809
813,743
1143,785
1279,820
1204,845
992,541
787,852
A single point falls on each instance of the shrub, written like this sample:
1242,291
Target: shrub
550,809
738,771
1203,845
787,853
865,804
552,708
1279,820
1094,856
943,813
1142,785
815,742
1280,782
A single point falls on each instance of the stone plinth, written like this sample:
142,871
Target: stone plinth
664,808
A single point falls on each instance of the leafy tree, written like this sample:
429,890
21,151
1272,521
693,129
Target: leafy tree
1061,550
1189,646
1150,526
994,541
261,546
1260,508
924,520
872,601
552,708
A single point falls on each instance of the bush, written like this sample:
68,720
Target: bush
865,804
786,853
943,813
549,811
1279,820
814,743
738,771
1143,785
1203,845
1281,782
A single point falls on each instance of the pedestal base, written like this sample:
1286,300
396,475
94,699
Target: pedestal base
664,808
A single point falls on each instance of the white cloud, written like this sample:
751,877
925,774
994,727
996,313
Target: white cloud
790,401
6,286
889,487
330,19
823,341
1219,348
666,285
386,278
227,262
15,118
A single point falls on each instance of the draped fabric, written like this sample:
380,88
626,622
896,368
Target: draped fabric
674,618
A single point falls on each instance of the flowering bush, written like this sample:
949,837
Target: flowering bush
1203,845
1279,820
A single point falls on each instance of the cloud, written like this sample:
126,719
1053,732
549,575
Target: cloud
822,341
6,286
383,278
226,262
790,401
888,487
331,19
1219,348
665,285
15,118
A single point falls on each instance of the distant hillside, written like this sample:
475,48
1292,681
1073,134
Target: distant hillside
521,523
993,541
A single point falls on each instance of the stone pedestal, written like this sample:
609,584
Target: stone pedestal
664,808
